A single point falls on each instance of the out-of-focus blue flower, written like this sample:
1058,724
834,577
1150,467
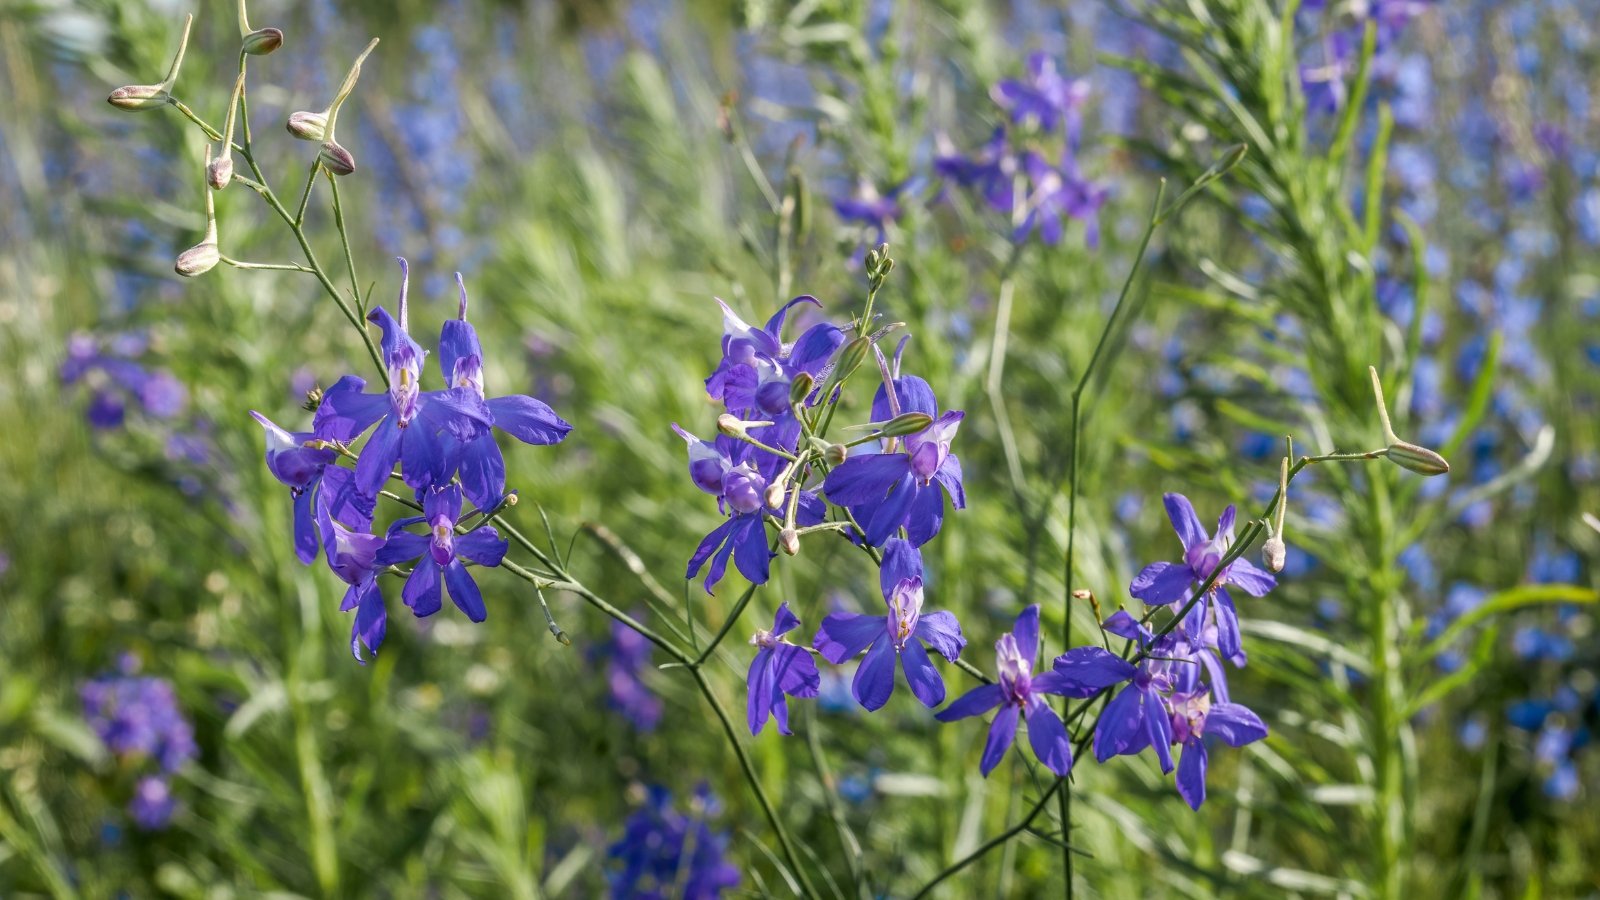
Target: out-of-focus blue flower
152,805
138,716
663,853
1045,99
626,657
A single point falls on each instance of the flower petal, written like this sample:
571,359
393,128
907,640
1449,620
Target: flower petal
378,457
843,635
1026,631
421,592
345,412
921,675
1234,724
483,471
975,702
1122,730
865,478
758,700
305,536
1002,732
949,475
1048,737
464,591
1250,578
528,420
751,554
1122,624
1161,583
483,546
371,619
1159,727
1227,625
942,632
901,562
874,681
1192,773
891,513
927,513
784,621
1083,672
708,546
1184,521
795,672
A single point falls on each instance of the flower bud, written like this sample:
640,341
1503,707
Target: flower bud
774,495
308,126
262,41
336,159
219,174
836,454
139,97
1417,459
800,388
735,427
198,260
906,423
845,364
313,399
1273,553
789,541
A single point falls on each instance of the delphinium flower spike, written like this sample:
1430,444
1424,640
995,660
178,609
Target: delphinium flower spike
778,668
144,97
440,553
900,634
1081,672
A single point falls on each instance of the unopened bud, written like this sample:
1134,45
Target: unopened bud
308,126
789,541
139,97
845,364
198,260
1417,459
800,388
220,173
735,427
336,159
774,495
1082,594
836,454
906,423
1273,553
262,41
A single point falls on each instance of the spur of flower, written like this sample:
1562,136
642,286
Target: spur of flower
898,635
483,469
1019,693
439,555
778,669
1163,583
904,484
725,470
424,431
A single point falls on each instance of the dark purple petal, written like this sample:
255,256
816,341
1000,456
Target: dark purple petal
874,680
942,632
914,395
1124,625
402,546
975,702
809,510
1181,512
813,349
1161,583
784,621
949,475
443,501
1083,672
371,619
305,536
1227,625
1159,727
775,324
344,414
378,457
708,546
1249,578
421,592
425,457
927,513
1122,730
1225,523
464,591
1002,732
1026,632
758,701
921,675
457,340
483,546
751,553
865,478
901,562
1048,737
891,513
528,420
780,712
795,672
719,563
843,635
1216,674
339,498
1192,774
483,471
1234,724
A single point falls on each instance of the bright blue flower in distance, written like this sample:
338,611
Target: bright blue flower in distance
899,634
1056,194
1045,99
1080,672
723,469
872,210
139,717
483,469
992,171
664,853
152,804
905,484
423,431
779,668
439,555
1163,583
626,658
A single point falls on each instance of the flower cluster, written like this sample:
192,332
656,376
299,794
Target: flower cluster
443,441
111,370
664,853
1029,170
138,720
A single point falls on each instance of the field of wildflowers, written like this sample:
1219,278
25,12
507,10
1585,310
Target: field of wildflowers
570,449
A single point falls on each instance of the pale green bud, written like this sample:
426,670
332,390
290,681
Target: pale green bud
308,126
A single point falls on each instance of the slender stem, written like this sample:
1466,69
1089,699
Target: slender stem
344,239
305,195
273,267
727,626
188,113
1021,826
847,838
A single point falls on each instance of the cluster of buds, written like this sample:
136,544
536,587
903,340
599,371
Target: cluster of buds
319,126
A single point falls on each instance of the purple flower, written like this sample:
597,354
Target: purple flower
779,668
439,555
353,556
626,658
1081,672
483,469
152,804
301,468
138,717
664,853
1056,194
724,470
887,490
424,431
1045,99
872,210
1163,583
900,634
992,171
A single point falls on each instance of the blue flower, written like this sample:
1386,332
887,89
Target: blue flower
439,555
899,634
667,854
1046,99
1081,672
891,489
152,804
138,717
352,554
778,668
